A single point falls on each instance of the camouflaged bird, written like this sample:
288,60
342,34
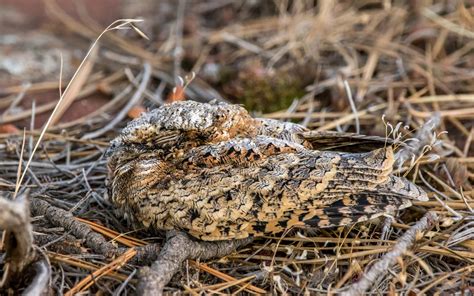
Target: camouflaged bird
217,173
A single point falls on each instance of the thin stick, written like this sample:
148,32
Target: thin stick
118,24
75,85
353,107
388,260
177,249
18,176
133,101
114,265
178,50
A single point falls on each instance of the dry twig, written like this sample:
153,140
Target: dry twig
178,248
381,267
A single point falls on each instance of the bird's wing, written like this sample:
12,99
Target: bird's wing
348,142
351,208
231,189
322,140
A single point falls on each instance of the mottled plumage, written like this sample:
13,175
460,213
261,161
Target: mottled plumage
217,173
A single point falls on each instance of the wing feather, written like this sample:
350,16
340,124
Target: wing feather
347,142
237,188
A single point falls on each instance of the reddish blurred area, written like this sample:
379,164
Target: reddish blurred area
33,13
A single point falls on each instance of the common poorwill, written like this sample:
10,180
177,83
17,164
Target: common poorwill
217,173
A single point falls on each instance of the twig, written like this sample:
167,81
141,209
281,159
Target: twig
229,279
353,106
59,217
178,248
423,137
443,22
89,280
388,260
92,31
349,117
65,219
125,283
17,99
113,103
137,96
7,118
114,26
178,50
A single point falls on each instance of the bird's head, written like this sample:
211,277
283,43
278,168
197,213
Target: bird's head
174,124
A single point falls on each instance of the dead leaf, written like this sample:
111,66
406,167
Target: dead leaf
8,129
177,95
136,111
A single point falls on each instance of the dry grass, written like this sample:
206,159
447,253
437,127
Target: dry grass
406,62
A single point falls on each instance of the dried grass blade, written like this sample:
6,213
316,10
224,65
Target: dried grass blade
114,235
81,264
90,279
75,86
225,277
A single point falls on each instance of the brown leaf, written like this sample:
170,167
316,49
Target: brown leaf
8,129
135,111
177,95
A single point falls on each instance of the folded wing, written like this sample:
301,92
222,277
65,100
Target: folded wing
254,187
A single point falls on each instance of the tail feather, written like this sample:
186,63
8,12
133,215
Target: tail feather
353,208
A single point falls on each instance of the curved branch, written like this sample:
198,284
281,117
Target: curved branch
178,248
382,266
60,217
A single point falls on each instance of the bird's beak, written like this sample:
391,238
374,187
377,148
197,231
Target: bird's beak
116,143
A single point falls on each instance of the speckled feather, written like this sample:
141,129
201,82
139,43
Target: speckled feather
214,171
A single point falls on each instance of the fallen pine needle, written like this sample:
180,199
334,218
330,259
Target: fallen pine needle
55,257
382,266
106,269
225,277
133,242
114,235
